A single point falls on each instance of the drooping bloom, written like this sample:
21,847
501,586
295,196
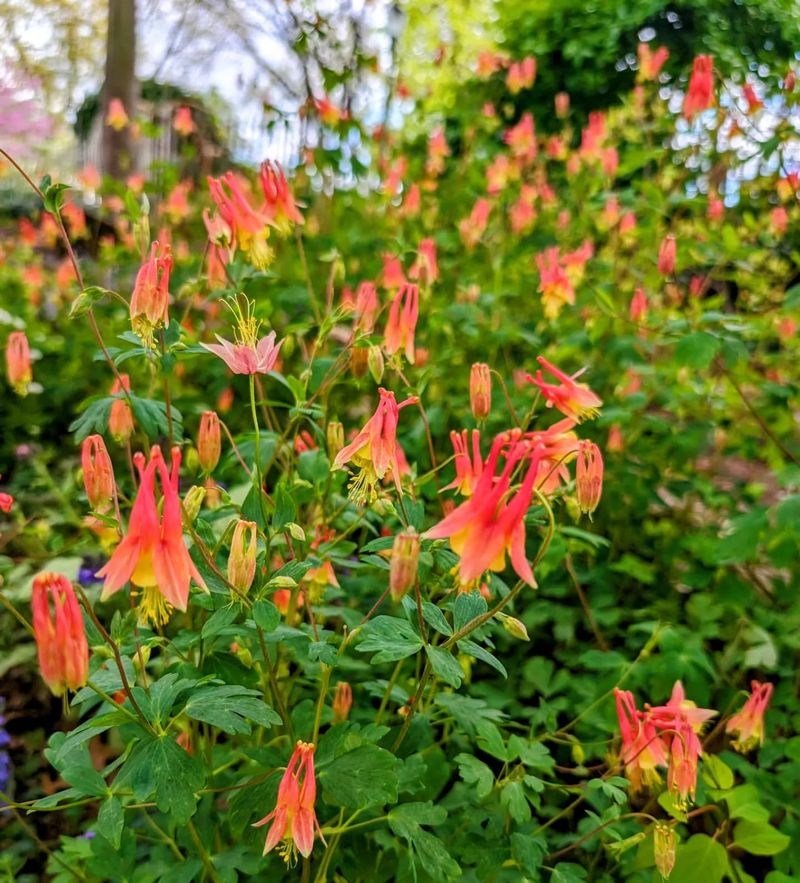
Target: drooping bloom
521,75
438,151
60,634
638,306
18,362
150,298
404,562
643,750
242,558
666,255
182,122
425,268
294,821
554,283
209,441
249,354
480,390
342,702
574,400
700,94
280,206
374,449
521,139
402,321
152,554
6,501
588,476
472,228
491,523
98,473
120,418
117,116
664,843
468,468
747,725
561,103
650,63
250,226
365,307
392,275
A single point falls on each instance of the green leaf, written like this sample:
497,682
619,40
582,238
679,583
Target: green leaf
567,872
392,639
110,820
700,860
266,615
86,300
744,803
470,648
151,415
285,507
696,350
529,851
512,797
468,605
54,197
434,858
490,740
445,665
219,620
406,818
475,772
716,773
229,707
435,618
759,838
363,777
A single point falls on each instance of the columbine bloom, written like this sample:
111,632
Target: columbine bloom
574,400
638,306
521,139
402,321
152,554
374,449
98,473
491,523
242,558
120,418
521,75
365,307
117,116
404,562
700,94
342,702
18,362
248,355
480,390
472,228
425,268
468,469
209,441
747,725
554,283
150,297
643,749
183,122
250,226
650,63
60,633
666,255
294,821
562,104
279,204
588,477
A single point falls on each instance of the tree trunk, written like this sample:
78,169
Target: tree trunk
120,82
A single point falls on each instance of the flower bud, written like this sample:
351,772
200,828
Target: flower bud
60,634
192,502
242,558
588,476
375,363
98,473
120,419
664,843
209,443
666,256
562,105
514,627
359,361
404,563
342,702
150,297
480,390
18,362
334,438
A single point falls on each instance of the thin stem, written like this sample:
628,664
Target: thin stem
202,852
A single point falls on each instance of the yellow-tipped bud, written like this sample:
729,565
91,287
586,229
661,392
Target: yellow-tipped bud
242,558
404,563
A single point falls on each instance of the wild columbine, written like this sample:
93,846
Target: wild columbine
60,634
404,562
279,204
666,255
574,400
554,283
249,354
374,449
342,702
182,122
521,75
700,94
471,229
638,306
521,140
747,726
117,116
242,558
480,390
402,322
120,418
425,268
643,750
294,821
468,468
650,63
150,299
588,477
209,441
249,226
18,362
152,554
392,275
98,473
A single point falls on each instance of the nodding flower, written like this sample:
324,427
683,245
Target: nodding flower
747,725
279,205
480,390
242,557
667,253
650,63
700,94
117,116
374,449
152,554
120,418
468,468
554,283
574,400
404,562
294,820
588,476
18,362
209,441
249,226
425,268
402,321
150,299
60,633
98,473
342,702
521,75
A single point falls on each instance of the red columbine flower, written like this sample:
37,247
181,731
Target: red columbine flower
242,557
60,633
643,749
521,139
521,75
650,63
151,294
294,821
18,362
480,390
249,354
438,151
98,473
574,400
491,523
152,554
402,321
554,283
209,441
472,228
365,307
120,418
342,702
117,116
404,562
250,226
280,205
666,255
747,725
374,449
182,122
561,103
638,306
425,268
392,275
468,469
700,94
588,476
